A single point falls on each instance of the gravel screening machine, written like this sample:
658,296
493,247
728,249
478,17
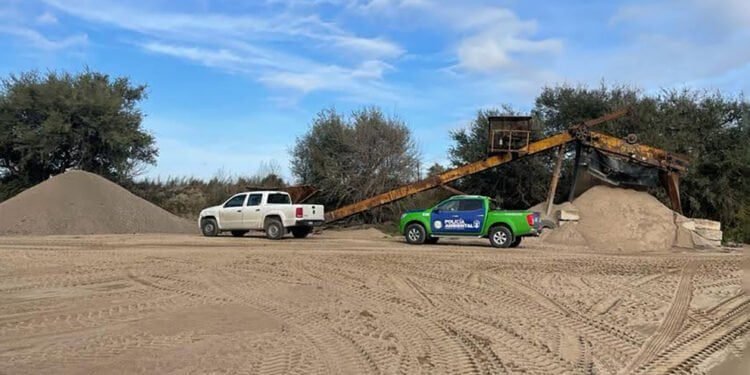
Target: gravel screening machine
617,161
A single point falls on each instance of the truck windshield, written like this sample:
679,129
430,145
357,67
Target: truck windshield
277,198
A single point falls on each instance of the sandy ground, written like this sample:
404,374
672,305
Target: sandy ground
333,304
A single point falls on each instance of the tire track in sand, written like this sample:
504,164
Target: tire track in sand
672,323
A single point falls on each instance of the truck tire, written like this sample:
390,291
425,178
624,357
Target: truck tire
432,240
415,234
301,232
274,229
209,228
500,236
239,233
516,242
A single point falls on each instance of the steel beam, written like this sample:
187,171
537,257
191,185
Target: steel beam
672,181
637,152
555,179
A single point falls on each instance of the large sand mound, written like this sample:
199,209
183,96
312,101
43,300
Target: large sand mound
78,202
615,219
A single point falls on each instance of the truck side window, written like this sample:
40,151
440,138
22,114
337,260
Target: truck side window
276,198
236,201
254,200
471,205
449,206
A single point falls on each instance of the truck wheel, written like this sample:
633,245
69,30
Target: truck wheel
516,242
239,233
301,232
501,236
432,240
209,227
274,229
415,234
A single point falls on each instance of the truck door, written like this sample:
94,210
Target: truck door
472,213
252,216
458,216
444,212
230,216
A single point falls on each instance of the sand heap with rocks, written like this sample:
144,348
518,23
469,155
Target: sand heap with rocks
618,220
78,202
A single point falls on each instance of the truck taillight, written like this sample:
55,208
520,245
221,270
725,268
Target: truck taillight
298,212
530,219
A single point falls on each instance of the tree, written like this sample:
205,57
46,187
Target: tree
355,157
515,185
435,170
556,108
57,121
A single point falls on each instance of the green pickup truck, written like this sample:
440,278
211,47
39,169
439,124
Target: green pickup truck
470,216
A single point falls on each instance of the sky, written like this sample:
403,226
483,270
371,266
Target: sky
232,84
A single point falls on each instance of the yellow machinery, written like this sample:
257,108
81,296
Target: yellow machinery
670,164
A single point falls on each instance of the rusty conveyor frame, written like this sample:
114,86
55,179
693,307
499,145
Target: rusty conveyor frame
640,153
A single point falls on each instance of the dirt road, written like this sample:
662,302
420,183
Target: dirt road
333,304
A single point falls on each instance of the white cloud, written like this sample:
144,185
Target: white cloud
490,38
252,44
46,18
671,43
40,41
494,50
369,47
213,58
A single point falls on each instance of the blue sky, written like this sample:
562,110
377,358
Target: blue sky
233,83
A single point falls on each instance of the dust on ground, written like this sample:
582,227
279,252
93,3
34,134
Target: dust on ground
78,202
172,304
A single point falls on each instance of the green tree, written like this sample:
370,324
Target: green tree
57,121
353,158
435,169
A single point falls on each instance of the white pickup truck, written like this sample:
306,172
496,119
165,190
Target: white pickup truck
269,211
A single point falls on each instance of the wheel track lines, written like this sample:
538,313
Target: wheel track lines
91,319
481,324
430,332
522,349
76,350
456,352
673,321
603,335
484,359
370,365
586,361
407,360
61,281
489,324
51,312
592,327
323,345
727,305
693,348
176,290
454,346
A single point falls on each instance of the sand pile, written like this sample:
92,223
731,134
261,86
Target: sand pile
78,202
619,220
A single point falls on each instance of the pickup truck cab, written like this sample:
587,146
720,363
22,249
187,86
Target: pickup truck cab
471,216
269,211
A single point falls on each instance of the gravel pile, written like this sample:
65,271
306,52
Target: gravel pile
78,202
619,220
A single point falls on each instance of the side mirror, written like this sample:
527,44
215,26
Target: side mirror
437,211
